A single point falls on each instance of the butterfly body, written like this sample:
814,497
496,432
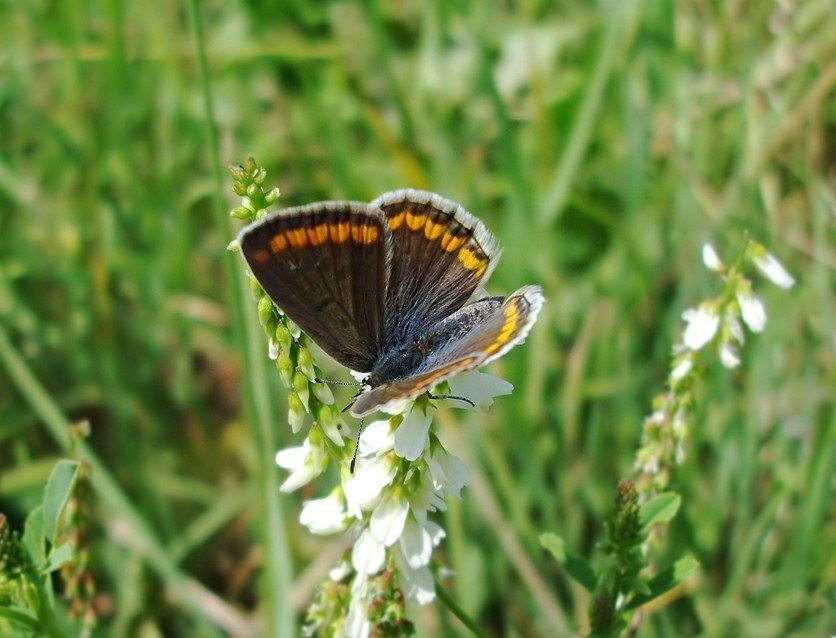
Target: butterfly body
383,288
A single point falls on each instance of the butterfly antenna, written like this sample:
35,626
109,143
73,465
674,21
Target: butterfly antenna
356,446
438,397
332,382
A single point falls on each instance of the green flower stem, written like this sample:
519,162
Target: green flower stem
277,583
457,611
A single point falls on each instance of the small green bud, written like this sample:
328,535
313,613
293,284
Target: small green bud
282,336
305,363
250,166
241,212
295,412
265,309
260,175
233,246
253,191
272,195
284,363
323,393
300,385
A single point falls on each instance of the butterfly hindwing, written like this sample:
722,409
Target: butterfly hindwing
325,266
481,332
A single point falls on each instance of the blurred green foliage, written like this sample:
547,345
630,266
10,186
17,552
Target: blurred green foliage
602,142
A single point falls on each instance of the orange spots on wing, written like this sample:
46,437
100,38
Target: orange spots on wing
415,222
472,261
433,230
509,327
364,234
262,256
450,242
340,232
395,221
278,242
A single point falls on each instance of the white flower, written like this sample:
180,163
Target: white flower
368,554
363,488
681,369
412,436
324,515
731,322
448,472
479,387
728,355
357,623
304,464
711,260
388,519
416,584
702,326
770,267
751,309
340,571
377,439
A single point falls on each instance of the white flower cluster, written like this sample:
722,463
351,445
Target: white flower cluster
720,316
720,319
402,475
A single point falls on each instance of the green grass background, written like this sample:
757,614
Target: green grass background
602,142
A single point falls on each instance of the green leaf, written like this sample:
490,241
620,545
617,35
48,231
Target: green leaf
33,535
665,581
58,489
58,556
660,509
574,565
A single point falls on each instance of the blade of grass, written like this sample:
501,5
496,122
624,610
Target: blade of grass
277,582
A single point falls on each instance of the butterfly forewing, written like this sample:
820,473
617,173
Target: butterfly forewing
440,254
324,265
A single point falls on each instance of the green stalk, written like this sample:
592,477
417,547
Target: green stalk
276,586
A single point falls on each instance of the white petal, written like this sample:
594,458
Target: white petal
357,623
368,554
731,321
340,571
324,515
771,268
273,349
701,328
479,387
300,460
412,436
728,355
291,458
435,531
388,519
417,584
682,368
416,545
363,488
710,258
752,310
300,477
377,438
448,472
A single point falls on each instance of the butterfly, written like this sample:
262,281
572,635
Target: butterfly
384,288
